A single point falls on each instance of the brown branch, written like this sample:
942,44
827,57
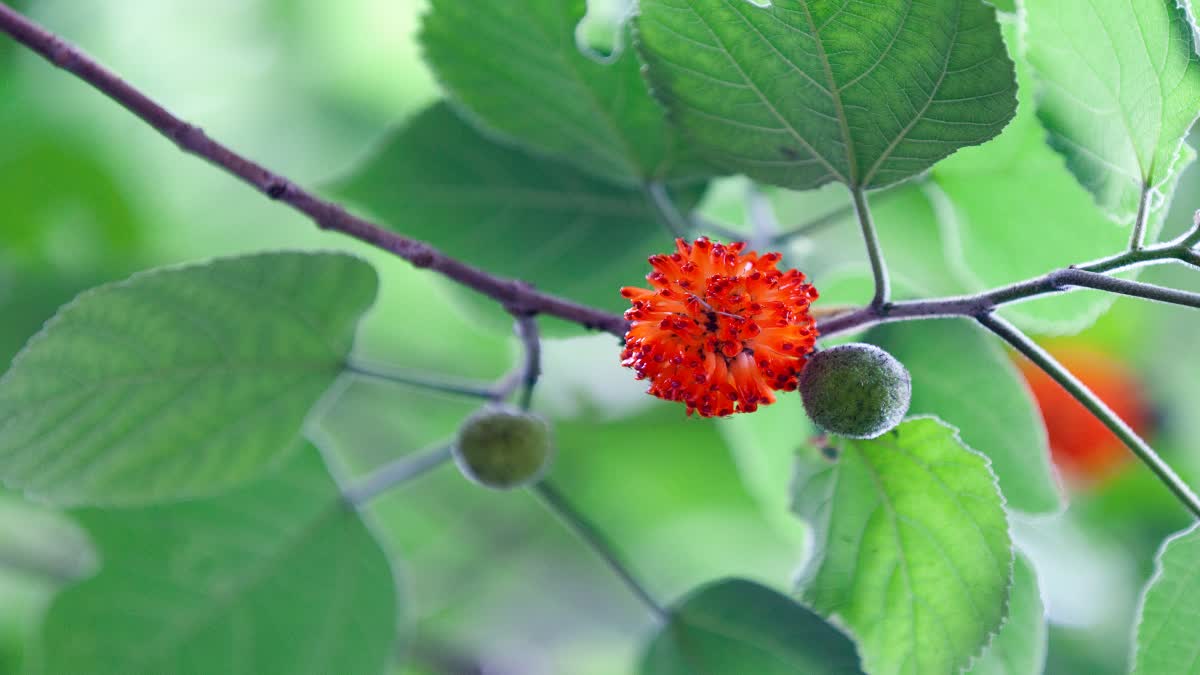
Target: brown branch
327,215
519,297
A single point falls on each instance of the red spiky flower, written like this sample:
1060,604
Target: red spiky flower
719,330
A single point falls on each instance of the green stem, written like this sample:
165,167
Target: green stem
883,291
395,474
558,503
1137,239
1022,343
472,389
531,366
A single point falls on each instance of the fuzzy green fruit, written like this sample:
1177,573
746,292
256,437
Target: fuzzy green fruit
504,448
855,390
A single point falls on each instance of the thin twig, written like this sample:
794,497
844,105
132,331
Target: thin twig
883,289
1192,237
325,214
525,374
556,502
1058,281
395,474
1019,341
385,374
531,366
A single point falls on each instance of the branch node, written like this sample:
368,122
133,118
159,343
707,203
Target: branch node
422,259
277,188
187,136
62,54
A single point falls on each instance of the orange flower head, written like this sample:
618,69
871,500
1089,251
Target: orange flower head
719,330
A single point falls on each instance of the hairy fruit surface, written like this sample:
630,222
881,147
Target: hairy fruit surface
855,390
504,448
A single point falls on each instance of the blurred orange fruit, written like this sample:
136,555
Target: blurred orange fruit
1085,450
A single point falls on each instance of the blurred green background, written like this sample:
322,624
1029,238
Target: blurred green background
494,584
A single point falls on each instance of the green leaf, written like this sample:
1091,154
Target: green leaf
738,626
40,552
763,447
1020,646
178,382
279,576
961,374
1014,212
913,553
519,70
1117,89
803,92
1170,611
507,211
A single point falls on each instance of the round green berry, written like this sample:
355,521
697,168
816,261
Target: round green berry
855,390
504,448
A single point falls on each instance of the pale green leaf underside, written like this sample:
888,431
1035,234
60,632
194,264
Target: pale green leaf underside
1015,190
276,577
1118,89
1020,646
913,554
1170,611
178,382
506,211
738,626
519,69
961,374
805,92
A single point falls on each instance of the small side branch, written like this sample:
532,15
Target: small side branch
883,290
558,503
395,474
1092,275
1097,407
385,374
526,375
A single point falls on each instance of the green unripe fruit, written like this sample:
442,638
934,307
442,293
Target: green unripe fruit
855,390
504,448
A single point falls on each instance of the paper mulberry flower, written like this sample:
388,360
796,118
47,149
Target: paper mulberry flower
719,330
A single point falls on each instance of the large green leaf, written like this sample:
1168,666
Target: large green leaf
961,374
738,626
1118,89
280,576
507,211
803,92
519,69
1015,212
1170,611
1020,646
180,381
913,553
